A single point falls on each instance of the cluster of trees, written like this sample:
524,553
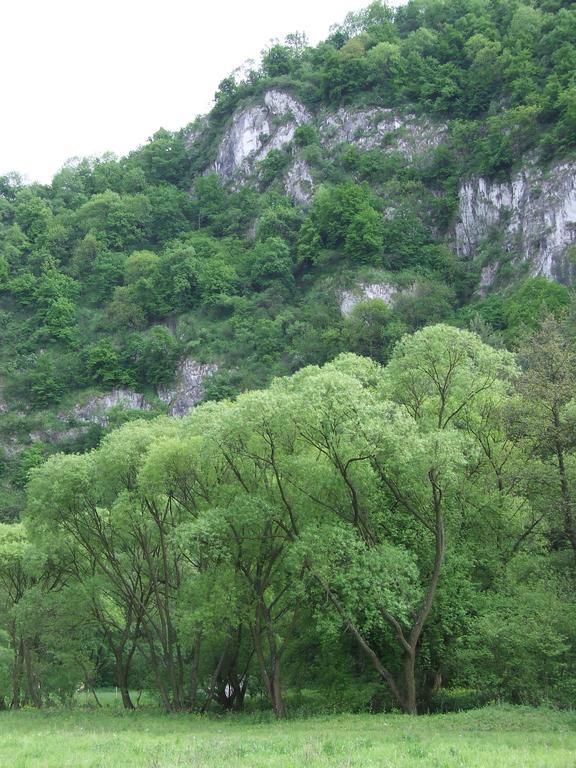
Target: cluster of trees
397,529
187,559
88,283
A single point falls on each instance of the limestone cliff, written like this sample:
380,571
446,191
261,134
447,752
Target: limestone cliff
532,215
187,391
254,131
366,292
386,128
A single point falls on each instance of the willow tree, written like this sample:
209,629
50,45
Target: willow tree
112,535
387,453
548,387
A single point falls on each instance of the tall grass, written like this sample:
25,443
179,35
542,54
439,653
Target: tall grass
494,737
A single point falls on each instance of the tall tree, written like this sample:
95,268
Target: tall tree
548,385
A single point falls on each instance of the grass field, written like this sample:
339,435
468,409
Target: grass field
495,737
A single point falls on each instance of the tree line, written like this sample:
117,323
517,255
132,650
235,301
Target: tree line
407,529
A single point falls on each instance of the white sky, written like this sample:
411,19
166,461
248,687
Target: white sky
81,77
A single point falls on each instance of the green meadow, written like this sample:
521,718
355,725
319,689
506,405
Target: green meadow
494,737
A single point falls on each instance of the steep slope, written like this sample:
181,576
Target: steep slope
531,213
415,167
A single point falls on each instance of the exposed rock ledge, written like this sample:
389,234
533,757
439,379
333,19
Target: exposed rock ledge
188,390
3,403
386,128
365,292
257,130
298,181
533,216
96,409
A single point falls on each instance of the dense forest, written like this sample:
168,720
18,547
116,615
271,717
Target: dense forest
370,508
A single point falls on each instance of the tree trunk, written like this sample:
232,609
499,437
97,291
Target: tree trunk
32,687
569,526
193,693
240,695
95,695
232,690
270,671
409,698
122,682
158,673
276,691
17,676
214,681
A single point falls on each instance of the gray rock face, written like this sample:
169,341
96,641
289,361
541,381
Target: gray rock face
298,182
11,446
256,131
534,214
367,291
3,403
187,391
189,387
95,410
58,435
369,128
487,277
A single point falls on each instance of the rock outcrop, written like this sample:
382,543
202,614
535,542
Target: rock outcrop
298,182
367,291
189,387
385,128
533,217
3,404
255,131
96,409
187,392
63,435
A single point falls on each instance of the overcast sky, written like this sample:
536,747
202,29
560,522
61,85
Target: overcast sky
81,77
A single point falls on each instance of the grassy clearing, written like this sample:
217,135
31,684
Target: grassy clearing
494,737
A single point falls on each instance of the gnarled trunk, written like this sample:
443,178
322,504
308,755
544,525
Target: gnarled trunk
32,684
269,669
122,671
17,673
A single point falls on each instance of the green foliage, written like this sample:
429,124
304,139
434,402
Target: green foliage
271,263
273,166
372,329
396,527
428,301
524,662
116,246
531,302
154,356
44,382
364,237
104,363
29,459
345,497
344,217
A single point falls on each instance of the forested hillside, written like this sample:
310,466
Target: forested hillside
235,241
384,221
